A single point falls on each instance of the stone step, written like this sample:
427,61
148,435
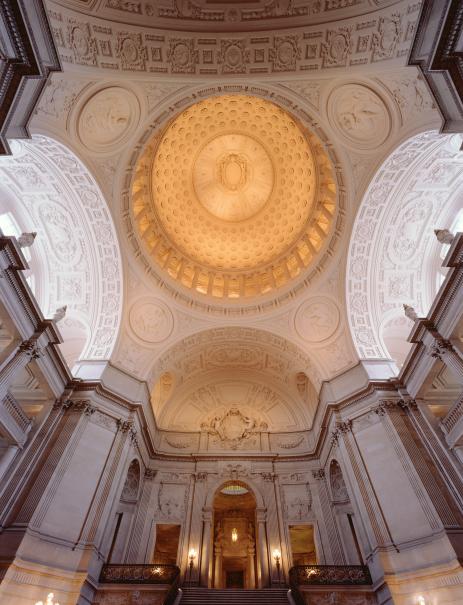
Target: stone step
212,596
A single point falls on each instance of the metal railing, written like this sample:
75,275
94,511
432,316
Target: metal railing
139,574
319,575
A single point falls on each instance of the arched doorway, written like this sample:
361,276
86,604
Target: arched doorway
234,564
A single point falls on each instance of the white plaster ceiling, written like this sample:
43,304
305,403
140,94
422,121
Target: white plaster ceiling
345,80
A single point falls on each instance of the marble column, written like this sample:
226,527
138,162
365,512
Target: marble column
205,577
218,566
251,575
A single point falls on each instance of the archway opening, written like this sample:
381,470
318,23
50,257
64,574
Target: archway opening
234,536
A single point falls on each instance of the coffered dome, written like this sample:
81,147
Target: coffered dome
234,198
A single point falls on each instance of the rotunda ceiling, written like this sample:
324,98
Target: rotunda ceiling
234,199
245,15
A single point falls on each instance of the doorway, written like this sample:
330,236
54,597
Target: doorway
166,546
234,564
302,544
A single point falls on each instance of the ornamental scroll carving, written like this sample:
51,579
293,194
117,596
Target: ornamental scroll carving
233,427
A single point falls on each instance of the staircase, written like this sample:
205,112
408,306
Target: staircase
211,596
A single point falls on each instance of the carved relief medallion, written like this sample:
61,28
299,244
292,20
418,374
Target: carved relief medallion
151,320
108,118
359,116
233,427
317,319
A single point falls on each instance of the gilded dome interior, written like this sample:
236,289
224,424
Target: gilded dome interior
234,198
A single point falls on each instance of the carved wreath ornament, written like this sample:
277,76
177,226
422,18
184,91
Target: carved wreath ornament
233,426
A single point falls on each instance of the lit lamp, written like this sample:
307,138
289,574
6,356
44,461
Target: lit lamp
277,556
192,556
234,535
49,600
420,600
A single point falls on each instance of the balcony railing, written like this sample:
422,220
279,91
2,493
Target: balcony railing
139,574
343,575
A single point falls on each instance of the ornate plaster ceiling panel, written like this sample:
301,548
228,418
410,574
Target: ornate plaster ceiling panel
325,35
235,200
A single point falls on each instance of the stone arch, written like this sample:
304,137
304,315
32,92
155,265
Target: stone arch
242,478
393,250
76,258
267,361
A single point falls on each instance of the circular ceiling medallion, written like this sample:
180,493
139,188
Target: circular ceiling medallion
233,176
359,115
108,118
151,320
317,319
234,199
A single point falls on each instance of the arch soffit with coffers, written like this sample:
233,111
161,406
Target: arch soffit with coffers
392,246
275,401
84,264
173,354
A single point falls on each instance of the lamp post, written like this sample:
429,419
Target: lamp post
192,556
277,557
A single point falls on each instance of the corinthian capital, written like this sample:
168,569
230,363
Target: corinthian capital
439,348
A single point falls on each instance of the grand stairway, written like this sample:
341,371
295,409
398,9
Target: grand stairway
209,596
